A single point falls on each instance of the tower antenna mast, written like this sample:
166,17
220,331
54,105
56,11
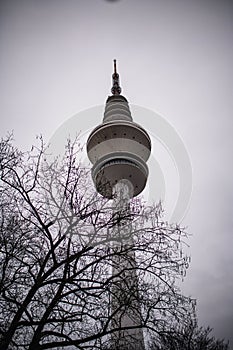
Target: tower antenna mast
116,89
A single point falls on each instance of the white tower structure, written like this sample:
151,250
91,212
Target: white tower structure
118,149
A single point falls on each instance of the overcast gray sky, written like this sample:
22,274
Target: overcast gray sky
175,58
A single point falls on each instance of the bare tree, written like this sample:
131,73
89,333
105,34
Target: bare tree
57,256
189,337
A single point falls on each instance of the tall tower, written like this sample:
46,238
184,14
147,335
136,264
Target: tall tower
118,149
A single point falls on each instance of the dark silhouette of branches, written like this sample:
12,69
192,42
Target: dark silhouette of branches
58,248
190,337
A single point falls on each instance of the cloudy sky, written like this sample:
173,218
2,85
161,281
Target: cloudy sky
175,62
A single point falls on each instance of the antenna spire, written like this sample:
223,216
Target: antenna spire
116,89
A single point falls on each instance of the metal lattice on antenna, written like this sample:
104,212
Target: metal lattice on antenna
116,89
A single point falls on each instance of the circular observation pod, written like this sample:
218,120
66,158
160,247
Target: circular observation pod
119,150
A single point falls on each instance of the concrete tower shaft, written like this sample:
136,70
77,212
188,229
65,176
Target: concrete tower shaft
125,304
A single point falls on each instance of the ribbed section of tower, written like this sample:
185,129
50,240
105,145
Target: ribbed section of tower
117,108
